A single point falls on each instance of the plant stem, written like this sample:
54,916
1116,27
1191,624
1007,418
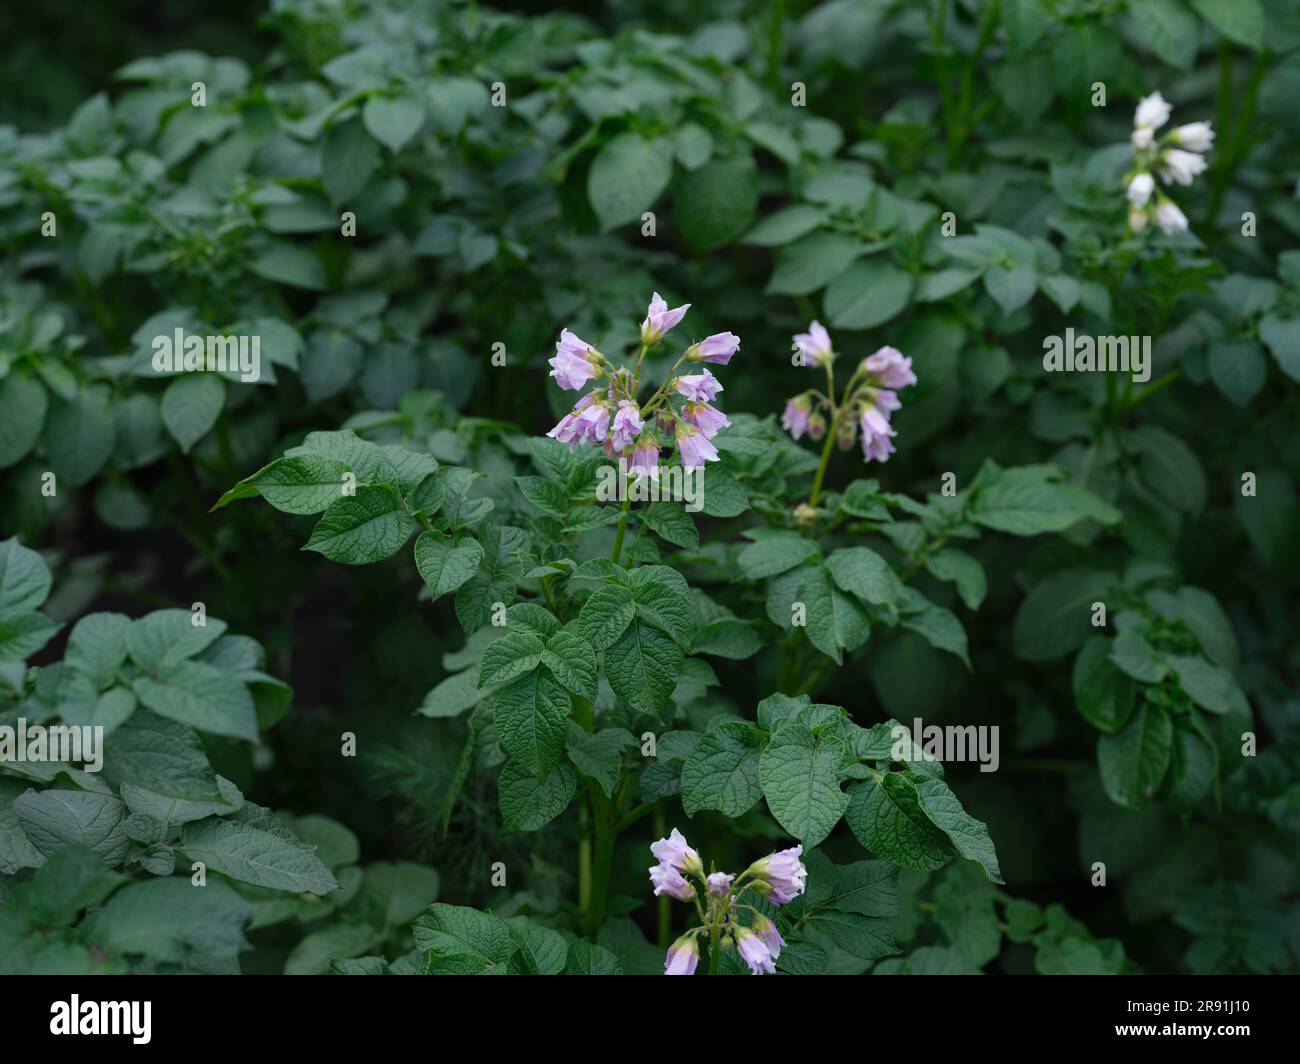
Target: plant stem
713,950
831,432
622,528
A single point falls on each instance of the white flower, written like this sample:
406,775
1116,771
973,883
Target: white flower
1195,136
1139,189
1137,220
1142,138
1170,218
1152,111
1180,166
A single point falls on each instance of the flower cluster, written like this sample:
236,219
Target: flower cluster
611,416
1176,158
778,877
870,397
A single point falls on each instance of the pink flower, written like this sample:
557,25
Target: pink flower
592,424
709,420
890,367
719,884
676,852
668,880
683,956
567,430
694,447
814,345
717,348
572,365
755,952
700,387
766,930
645,458
659,319
780,876
795,417
816,427
876,428
627,425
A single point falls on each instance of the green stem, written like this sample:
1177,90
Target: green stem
622,528
831,433
713,950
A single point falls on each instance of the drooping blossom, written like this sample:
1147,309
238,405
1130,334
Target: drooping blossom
816,426
645,458
677,852
1180,166
683,956
694,447
755,953
1152,111
627,425
659,319
702,387
876,429
718,349
568,431
814,345
794,419
876,448
781,876
719,883
1140,188
1170,219
668,880
572,366
709,420
890,368
767,931
1195,136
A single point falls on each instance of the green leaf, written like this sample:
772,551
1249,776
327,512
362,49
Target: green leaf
1168,29
1210,686
54,819
540,950
171,921
97,646
1238,20
586,958
363,528
861,936
531,716
1134,761
444,566
773,555
1054,618
642,666
23,405
1171,469
202,697
254,846
812,263
393,120
514,654
24,577
393,893
867,294
73,879
671,522
968,836
885,815
716,203
349,158
599,755
455,694
786,225
864,573
1024,502
800,771
79,435
722,771
315,952
166,759
1103,694
23,633
572,661
626,177
606,615
1238,369
546,495
1281,335
529,803
941,629
835,622
961,569
304,484
462,941
191,405
1011,287
164,637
